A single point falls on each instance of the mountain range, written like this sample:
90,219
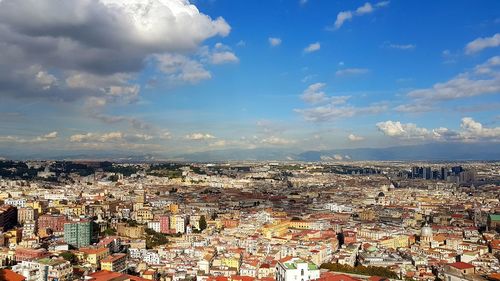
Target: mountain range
423,152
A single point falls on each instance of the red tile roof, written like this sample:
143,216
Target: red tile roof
9,275
329,276
105,275
242,278
461,265
377,278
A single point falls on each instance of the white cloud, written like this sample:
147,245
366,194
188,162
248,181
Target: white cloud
101,41
353,137
46,79
199,136
351,71
273,140
414,108
404,47
140,137
224,57
51,135
314,93
180,68
219,54
96,137
274,41
399,130
482,43
42,138
308,78
166,135
470,131
11,139
111,136
382,4
345,16
342,17
218,143
485,79
331,107
313,47
46,137
331,112
473,130
185,69
81,137
365,9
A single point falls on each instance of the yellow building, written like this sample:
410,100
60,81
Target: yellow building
394,242
275,230
77,210
367,215
144,215
123,229
94,256
4,195
35,205
231,262
116,263
174,208
300,224
217,223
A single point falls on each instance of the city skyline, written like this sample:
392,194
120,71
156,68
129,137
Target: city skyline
173,77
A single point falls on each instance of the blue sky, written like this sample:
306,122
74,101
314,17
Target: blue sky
184,77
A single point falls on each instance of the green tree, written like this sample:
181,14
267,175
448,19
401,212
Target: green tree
113,178
154,238
110,232
69,256
203,223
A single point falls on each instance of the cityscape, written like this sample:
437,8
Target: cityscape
250,221
249,140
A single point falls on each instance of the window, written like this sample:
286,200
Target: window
302,272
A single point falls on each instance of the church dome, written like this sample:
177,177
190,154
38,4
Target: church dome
426,231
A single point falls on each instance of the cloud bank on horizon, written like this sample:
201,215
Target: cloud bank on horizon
171,76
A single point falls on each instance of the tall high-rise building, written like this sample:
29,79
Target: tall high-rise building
78,233
456,170
415,172
444,173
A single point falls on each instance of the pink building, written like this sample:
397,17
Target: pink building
164,224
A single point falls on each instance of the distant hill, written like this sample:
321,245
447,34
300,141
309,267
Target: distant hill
425,152
429,152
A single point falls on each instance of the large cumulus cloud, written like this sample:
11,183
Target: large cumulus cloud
57,48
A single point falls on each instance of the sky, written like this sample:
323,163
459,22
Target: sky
178,76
